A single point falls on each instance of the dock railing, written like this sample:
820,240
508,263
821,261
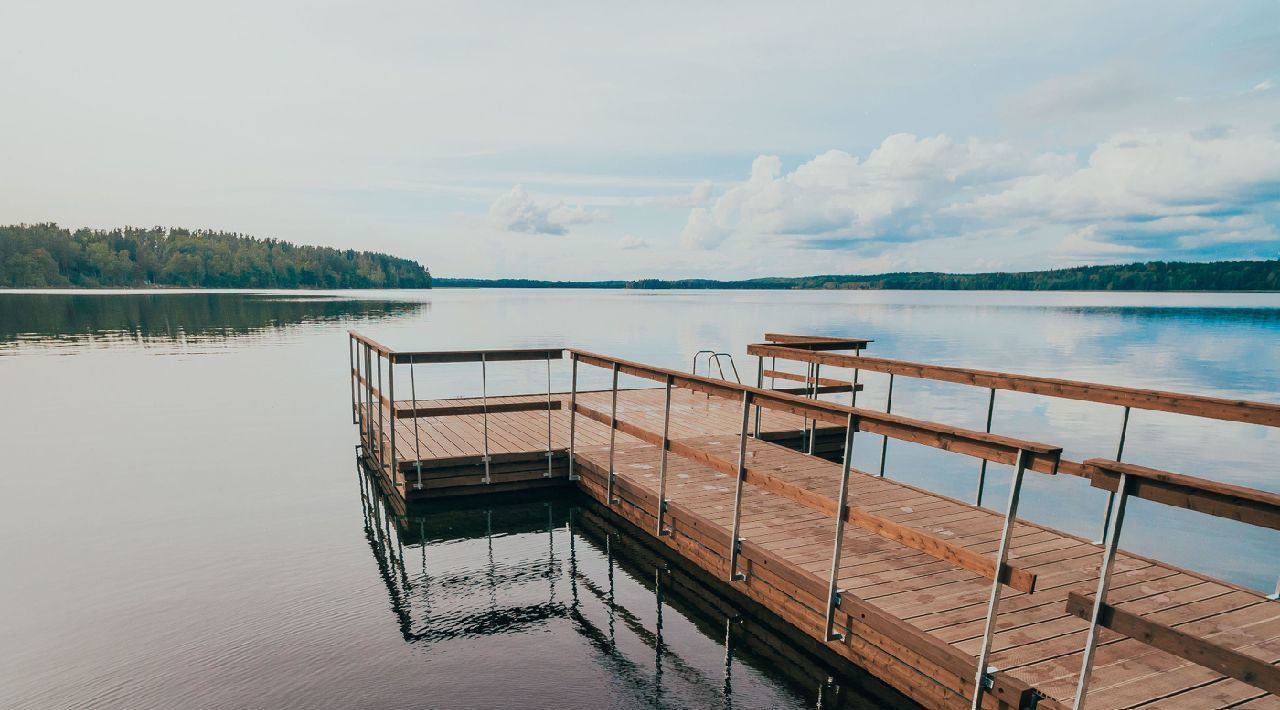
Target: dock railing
369,356
1122,481
1021,454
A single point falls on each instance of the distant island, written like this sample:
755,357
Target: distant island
49,256
1149,276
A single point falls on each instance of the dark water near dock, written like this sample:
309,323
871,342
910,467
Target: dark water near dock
182,523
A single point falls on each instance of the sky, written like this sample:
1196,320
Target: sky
563,140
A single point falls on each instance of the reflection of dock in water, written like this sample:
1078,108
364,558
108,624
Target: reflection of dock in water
952,603
588,574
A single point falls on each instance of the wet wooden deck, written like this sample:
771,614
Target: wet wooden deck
910,614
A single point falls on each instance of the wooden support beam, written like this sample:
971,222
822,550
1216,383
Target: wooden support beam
1228,662
477,355
797,377
1264,413
1222,500
822,389
806,341
993,447
465,409
914,538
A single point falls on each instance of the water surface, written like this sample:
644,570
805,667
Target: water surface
182,525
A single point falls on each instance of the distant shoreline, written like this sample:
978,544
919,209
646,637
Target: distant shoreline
1261,276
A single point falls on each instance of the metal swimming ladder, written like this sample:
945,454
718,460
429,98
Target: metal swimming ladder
713,355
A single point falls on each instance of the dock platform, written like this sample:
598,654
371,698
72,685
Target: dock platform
920,589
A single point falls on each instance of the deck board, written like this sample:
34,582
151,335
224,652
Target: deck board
1037,641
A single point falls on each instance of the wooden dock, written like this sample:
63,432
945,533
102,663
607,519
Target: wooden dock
748,484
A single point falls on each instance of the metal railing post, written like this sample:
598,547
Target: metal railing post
391,416
888,409
613,430
573,413
351,357
983,679
759,385
484,407
808,373
368,402
1111,495
813,394
842,504
982,470
734,543
548,475
853,396
662,465
382,429
417,446
1115,512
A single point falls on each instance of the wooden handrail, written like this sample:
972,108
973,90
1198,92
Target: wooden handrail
509,355
1264,413
853,343
1227,661
822,389
914,538
373,344
1222,500
992,447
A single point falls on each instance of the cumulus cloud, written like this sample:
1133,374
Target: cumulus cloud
1168,192
517,211
629,242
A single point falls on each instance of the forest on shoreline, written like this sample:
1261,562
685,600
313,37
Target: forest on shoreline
49,256
1148,276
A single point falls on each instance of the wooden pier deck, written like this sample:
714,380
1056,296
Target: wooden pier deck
915,568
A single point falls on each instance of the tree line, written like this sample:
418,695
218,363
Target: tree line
1148,276
49,256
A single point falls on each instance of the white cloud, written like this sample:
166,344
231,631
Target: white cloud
698,197
1264,85
1162,193
630,242
517,211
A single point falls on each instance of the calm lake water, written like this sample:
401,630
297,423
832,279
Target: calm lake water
182,523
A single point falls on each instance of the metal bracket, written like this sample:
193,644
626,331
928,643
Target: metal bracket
486,459
988,679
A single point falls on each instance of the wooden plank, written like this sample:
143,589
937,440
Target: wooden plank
916,539
1235,410
792,338
1226,661
466,409
1222,500
440,356
797,377
821,389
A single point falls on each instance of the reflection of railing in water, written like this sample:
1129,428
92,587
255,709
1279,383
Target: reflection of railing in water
392,537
